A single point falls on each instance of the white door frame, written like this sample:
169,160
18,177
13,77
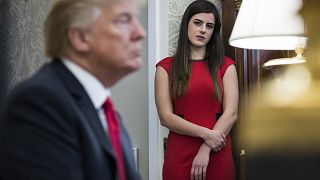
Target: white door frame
157,49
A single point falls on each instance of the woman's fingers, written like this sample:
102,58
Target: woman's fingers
192,173
204,172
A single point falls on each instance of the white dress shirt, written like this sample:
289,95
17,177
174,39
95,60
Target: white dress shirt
97,92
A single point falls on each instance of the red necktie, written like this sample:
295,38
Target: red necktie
114,133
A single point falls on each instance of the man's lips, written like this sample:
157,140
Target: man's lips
137,53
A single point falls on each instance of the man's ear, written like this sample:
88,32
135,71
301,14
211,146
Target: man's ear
77,40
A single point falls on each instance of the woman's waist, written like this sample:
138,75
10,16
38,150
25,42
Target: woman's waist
176,136
184,141
207,120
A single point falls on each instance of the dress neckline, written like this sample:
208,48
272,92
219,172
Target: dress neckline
197,60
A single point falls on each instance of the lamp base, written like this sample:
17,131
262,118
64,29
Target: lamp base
286,61
283,61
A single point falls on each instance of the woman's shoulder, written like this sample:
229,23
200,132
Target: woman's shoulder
165,63
228,60
166,60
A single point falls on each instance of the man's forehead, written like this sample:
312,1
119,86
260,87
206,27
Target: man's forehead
122,6
138,3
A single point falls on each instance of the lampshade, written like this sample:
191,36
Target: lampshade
269,25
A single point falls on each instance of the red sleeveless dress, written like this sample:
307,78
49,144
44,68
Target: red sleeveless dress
199,107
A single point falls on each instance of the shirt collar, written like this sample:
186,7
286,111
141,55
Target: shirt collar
97,92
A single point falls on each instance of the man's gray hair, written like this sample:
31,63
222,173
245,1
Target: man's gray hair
63,15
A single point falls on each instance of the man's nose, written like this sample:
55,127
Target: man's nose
139,32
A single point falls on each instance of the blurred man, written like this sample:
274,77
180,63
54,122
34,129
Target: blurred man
60,124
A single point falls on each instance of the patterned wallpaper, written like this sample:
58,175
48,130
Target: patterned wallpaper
176,10
21,48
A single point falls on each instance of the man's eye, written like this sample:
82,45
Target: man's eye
124,19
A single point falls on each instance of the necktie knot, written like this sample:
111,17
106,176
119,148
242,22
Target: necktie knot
107,105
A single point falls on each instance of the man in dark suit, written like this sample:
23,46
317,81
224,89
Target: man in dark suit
56,125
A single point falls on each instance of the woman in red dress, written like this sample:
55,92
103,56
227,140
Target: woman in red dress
196,94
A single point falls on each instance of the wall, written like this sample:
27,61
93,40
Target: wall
21,51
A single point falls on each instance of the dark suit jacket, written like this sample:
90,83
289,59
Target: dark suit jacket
50,130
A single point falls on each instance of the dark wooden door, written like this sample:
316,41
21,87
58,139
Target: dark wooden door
249,64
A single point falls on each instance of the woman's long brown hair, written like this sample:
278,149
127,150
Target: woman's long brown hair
181,66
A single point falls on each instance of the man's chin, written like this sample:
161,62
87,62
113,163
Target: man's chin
137,64
131,69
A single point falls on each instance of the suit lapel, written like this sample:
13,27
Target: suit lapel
90,115
127,149
84,103
94,121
